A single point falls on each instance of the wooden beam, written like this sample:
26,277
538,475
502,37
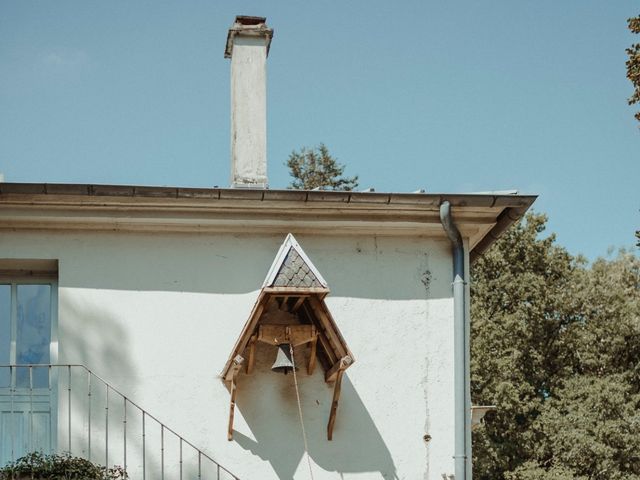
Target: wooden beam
269,300
328,327
246,333
252,354
334,404
312,355
279,334
326,346
298,303
236,366
339,366
232,408
284,305
251,327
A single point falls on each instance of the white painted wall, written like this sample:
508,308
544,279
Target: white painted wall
157,316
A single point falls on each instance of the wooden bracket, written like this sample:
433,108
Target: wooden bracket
341,364
335,373
237,365
334,404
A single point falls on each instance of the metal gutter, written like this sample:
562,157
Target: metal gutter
392,198
462,404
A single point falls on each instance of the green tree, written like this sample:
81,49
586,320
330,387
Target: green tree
591,430
523,306
556,346
608,340
633,63
313,168
633,73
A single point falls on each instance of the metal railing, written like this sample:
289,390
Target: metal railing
68,408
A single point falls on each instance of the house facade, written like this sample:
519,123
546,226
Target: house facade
124,308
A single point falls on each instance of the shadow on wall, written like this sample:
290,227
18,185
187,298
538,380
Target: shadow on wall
359,267
90,336
221,264
267,402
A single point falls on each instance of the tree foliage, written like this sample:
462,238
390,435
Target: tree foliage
633,63
556,346
316,168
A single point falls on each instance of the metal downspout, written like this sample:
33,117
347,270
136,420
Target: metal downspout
460,327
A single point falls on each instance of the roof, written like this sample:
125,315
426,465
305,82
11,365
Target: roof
295,273
293,269
482,218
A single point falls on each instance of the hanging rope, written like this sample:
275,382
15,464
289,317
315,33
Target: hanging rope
304,433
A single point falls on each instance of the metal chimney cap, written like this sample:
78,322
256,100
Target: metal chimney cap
247,25
249,20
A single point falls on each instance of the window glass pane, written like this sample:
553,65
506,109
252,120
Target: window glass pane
33,332
5,333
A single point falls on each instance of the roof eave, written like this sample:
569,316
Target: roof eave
44,206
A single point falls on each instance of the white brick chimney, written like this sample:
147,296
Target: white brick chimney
247,46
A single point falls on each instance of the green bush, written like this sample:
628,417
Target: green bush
58,467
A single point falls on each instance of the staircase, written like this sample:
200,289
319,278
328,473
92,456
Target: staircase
68,408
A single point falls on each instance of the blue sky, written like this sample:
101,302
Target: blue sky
451,96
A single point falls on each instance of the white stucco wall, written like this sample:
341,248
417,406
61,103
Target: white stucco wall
157,316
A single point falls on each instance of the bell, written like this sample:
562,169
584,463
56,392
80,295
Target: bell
283,361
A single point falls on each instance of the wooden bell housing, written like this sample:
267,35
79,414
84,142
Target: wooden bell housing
293,285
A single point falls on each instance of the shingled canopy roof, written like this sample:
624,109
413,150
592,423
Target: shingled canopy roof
293,269
294,272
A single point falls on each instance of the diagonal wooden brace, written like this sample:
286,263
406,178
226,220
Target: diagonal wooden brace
342,364
235,368
334,404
